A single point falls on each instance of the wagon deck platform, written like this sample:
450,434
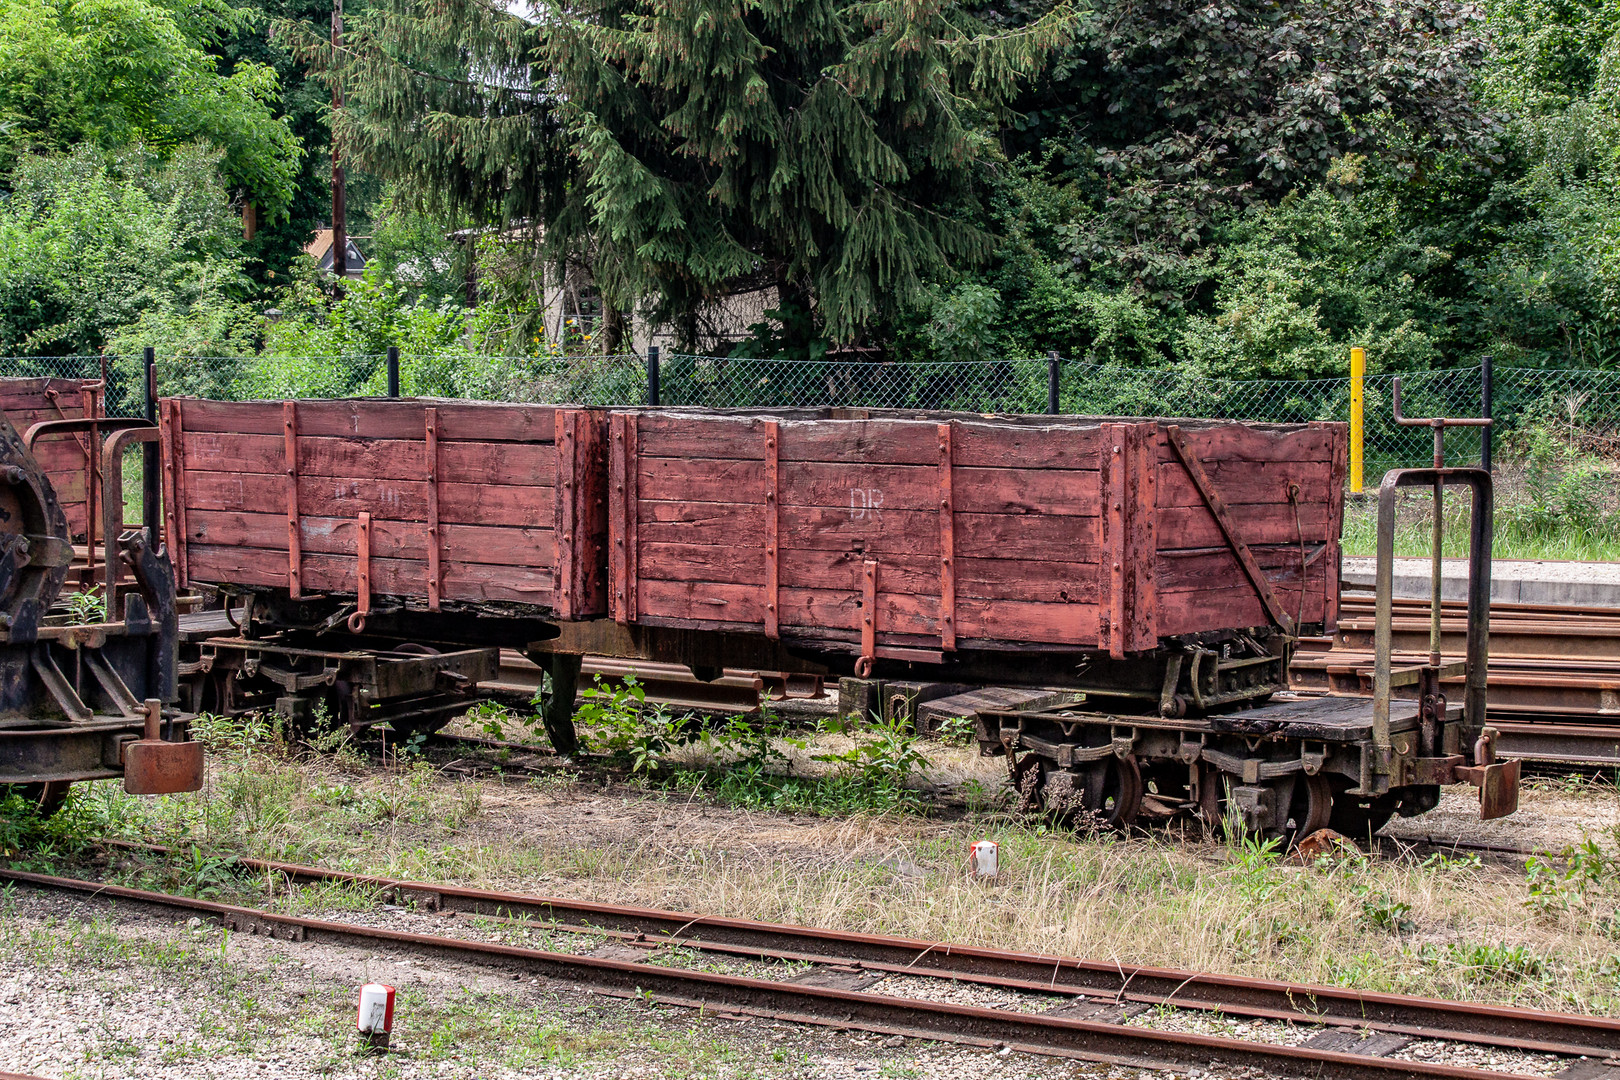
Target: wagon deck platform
1328,718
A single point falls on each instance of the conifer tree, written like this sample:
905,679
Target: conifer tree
685,150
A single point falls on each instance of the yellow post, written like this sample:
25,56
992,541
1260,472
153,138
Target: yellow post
1358,369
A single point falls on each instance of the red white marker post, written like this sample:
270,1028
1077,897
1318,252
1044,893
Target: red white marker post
983,859
376,1017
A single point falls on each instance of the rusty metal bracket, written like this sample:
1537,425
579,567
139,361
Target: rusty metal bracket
947,541
433,544
155,766
773,529
112,473
289,412
362,546
173,441
563,444
869,589
291,681
1497,781
1223,518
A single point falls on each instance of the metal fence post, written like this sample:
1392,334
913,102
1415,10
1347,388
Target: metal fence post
1485,406
151,478
652,375
393,371
1052,363
1358,372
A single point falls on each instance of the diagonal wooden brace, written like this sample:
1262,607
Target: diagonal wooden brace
1223,518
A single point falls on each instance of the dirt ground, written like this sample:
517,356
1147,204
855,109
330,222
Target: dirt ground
89,991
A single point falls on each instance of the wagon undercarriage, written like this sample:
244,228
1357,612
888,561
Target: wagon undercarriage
1284,769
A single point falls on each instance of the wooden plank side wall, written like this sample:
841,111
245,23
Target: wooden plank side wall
26,402
1200,583
695,515
510,522
1082,533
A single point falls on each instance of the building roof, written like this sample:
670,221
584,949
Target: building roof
320,249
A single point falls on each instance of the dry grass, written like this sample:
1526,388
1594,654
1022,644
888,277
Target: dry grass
1448,926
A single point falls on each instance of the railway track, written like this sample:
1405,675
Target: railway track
1094,1011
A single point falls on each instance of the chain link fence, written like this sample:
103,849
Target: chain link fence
1582,407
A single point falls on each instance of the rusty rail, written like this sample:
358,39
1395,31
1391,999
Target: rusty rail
1465,1022
1039,1033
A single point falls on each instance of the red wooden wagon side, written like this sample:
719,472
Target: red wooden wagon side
432,503
912,537
66,458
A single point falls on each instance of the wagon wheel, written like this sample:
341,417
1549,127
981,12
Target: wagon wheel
1108,791
1309,808
47,796
1357,818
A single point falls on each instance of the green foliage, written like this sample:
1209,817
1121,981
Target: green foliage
1381,912
1298,283
1495,962
881,757
1586,870
618,721
100,250
87,605
109,73
1254,860
683,152
1565,488
1173,115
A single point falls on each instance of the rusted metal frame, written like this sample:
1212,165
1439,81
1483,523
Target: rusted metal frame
947,541
289,419
113,503
171,418
1494,1025
57,685
773,528
632,508
362,592
1060,1036
869,594
1223,518
92,426
566,520
431,425
1477,649
66,753
617,522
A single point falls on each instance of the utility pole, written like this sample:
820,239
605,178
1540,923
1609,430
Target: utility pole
340,228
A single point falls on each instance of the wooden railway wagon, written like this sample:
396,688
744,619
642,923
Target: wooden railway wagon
419,522
1161,568
69,465
1156,571
1004,545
